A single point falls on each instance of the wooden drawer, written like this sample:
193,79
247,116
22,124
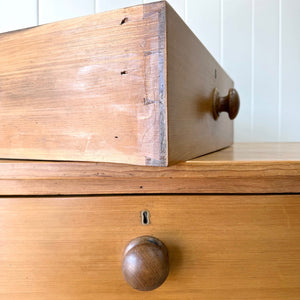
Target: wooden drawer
220,247
131,86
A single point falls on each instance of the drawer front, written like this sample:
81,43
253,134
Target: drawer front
220,247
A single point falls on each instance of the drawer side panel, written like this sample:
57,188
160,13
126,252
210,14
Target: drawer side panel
192,75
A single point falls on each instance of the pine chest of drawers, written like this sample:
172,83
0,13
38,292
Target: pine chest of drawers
229,220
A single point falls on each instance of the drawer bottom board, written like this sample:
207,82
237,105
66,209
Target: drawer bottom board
220,247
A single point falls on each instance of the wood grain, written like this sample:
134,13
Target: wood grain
251,152
242,168
220,247
133,86
192,75
85,89
145,264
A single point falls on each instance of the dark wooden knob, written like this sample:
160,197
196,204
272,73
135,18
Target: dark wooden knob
145,263
229,103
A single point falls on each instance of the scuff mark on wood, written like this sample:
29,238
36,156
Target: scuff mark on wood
149,101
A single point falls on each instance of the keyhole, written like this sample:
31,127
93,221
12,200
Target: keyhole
145,216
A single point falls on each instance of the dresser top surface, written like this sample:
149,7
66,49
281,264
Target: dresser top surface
242,152
241,168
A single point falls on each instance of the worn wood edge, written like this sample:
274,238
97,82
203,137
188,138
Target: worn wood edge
178,186
162,74
277,175
267,177
48,170
163,96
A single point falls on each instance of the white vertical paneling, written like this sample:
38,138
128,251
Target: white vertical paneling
266,50
17,14
104,5
221,32
55,10
203,17
237,59
290,117
179,6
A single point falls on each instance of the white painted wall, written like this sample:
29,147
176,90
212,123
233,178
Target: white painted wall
256,41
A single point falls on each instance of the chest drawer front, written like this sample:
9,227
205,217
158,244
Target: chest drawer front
220,247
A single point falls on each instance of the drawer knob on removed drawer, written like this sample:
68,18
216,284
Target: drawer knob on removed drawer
145,263
229,103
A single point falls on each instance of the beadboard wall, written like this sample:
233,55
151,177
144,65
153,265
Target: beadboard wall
256,41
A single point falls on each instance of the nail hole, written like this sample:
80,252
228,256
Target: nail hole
145,217
124,21
123,72
141,186
116,137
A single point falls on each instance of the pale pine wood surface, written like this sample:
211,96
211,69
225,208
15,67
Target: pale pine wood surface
192,75
221,247
254,152
242,168
63,96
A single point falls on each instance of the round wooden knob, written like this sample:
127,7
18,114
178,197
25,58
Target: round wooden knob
229,103
145,263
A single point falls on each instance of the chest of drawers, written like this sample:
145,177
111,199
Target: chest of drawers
230,221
